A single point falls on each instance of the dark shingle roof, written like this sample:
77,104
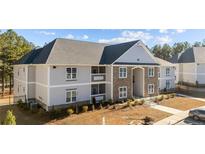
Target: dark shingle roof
191,55
29,57
113,52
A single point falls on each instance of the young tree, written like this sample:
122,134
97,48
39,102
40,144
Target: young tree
10,118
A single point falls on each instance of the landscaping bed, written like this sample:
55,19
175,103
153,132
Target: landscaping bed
123,116
182,103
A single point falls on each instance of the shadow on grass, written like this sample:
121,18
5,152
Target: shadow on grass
24,117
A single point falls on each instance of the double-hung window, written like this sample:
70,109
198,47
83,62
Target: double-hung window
123,72
167,71
71,73
151,72
123,92
71,96
150,88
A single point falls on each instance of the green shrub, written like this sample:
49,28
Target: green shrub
70,111
10,118
85,108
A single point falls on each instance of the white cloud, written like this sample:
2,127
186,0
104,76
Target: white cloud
85,37
180,30
163,31
70,36
46,33
163,39
126,36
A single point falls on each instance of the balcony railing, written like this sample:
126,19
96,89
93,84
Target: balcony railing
98,77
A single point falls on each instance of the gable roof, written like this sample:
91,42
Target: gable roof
163,62
66,51
191,55
113,52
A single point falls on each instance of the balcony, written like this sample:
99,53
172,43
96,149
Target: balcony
98,73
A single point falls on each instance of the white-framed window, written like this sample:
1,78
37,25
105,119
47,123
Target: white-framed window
122,72
71,95
168,71
151,72
150,88
123,92
71,73
168,84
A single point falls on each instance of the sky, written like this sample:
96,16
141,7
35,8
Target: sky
150,37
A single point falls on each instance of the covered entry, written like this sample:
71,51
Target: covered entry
138,82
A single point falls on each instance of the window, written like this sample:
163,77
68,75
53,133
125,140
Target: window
167,71
122,92
150,88
122,72
71,73
71,96
98,69
97,89
24,90
151,72
168,84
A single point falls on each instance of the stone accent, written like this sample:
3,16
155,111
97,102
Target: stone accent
118,82
151,80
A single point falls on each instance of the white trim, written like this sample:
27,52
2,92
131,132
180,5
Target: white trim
143,71
119,92
71,74
153,72
71,90
124,77
148,88
126,51
65,85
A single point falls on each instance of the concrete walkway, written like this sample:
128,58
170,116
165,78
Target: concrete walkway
174,119
165,109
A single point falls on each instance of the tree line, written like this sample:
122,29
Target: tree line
166,51
12,48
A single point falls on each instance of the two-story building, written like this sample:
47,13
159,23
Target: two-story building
67,71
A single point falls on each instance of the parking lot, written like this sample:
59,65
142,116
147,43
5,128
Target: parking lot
190,121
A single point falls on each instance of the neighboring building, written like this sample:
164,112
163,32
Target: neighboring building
166,75
66,71
190,67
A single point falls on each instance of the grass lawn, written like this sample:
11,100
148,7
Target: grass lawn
112,117
182,103
23,117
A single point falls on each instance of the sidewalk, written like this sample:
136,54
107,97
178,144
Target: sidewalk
165,109
175,118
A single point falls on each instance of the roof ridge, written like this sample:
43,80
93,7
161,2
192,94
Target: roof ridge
54,42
